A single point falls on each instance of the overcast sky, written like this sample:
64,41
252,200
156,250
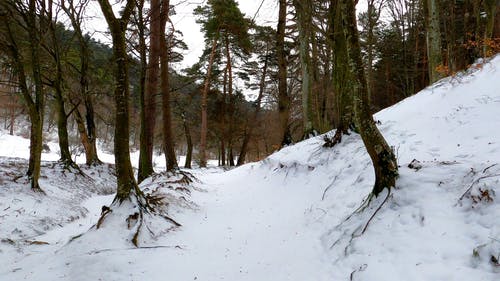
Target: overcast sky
185,22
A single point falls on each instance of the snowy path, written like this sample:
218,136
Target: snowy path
245,229
248,230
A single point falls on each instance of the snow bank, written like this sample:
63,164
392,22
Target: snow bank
300,213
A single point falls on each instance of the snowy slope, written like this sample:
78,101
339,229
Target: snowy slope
296,215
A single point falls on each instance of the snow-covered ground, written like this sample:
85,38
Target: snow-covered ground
293,216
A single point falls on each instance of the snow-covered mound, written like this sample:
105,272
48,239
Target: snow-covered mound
300,213
441,222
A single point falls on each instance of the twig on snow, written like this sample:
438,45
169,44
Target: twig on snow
474,182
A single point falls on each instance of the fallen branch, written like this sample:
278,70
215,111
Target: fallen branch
135,248
475,182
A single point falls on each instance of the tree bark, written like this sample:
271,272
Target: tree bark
124,173
62,119
341,73
148,111
36,107
283,97
204,100
189,142
304,20
230,108
491,7
434,58
382,156
168,142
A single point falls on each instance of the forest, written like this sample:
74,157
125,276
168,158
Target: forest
322,68
302,75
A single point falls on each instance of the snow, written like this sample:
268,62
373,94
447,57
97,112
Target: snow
297,215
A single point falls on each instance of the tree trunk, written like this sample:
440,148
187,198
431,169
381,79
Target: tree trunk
84,139
204,99
223,116
62,122
251,125
230,108
37,110
283,97
434,58
12,117
124,173
491,9
148,110
88,135
62,119
341,73
303,9
168,142
383,159
189,142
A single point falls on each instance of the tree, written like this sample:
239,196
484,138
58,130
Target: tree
21,32
303,10
168,144
382,156
283,97
56,52
433,39
221,21
262,47
342,74
126,184
86,126
148,102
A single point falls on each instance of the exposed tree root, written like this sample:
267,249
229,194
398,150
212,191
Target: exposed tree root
331,142
146,205
360,209
376,211
104,213
336,139
70,166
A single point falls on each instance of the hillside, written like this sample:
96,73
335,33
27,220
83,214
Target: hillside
297,215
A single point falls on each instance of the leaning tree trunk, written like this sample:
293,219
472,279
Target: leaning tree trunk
382,156
204,100
168,142
124,173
